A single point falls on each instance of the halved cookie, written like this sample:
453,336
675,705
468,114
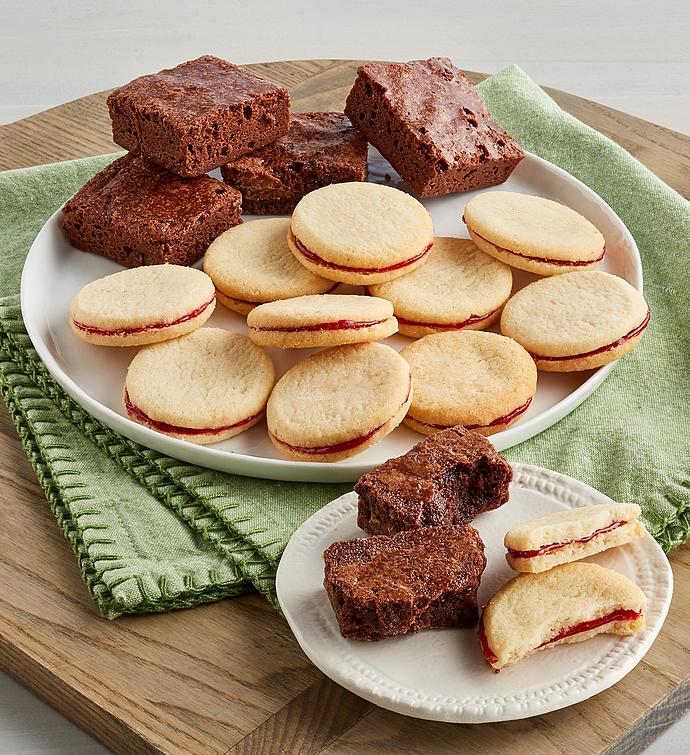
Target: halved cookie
204,387
532,233
482,381
338,402
360,233
325,320
142,305
569,603
252,264
457,288
577,321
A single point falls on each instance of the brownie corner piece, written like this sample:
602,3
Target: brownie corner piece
450,477
429,122
136,213
199,115
386,586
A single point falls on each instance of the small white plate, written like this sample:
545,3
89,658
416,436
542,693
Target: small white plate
94,375
441,675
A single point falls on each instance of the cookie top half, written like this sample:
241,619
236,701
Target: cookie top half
573,313
533,226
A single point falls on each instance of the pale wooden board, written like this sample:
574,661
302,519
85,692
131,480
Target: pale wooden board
229,677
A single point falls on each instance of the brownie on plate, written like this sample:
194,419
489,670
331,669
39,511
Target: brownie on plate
139,214
448,478
428,121
319,149
199,115
385,586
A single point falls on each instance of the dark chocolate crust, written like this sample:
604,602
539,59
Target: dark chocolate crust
428,121
384,586
448,478
319,149
199,115
139,214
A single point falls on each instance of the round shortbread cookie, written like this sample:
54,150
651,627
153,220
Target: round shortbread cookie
142,305
532,233
204,387
457,288
569,603
577,321
479,380
323,320
360,233
251,264
338,402
570,535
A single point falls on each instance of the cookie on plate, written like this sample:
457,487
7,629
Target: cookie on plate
457,288
577,321
571,534
360,233
338,402
142,305
569,603
532,233
325,320
252,264
204,387
482,381
385,586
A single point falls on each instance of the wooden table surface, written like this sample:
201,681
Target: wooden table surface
229,677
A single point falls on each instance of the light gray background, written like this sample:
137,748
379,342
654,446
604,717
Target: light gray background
634,56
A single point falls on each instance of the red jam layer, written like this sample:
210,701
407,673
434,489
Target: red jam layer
486,650
346,445
95,331
136,413
555,546
568,263
498,421
365,270
634,332
337,325
471,320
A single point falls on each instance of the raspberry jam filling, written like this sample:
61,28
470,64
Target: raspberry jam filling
365,270
555,546
136,413
337,325
346,445
471,320
567,263
634,332
96,331
620,614
498,421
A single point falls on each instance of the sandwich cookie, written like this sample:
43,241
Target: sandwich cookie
338,402
142,305
570,535
360,233
569,603
577,321
204,387
325,320
482,381
532,233
251,264
457,288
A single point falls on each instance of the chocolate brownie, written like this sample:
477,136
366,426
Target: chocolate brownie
139,214
448,478
416,580
319,149
199,115
428,121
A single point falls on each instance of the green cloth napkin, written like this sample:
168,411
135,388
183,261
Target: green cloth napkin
152,533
